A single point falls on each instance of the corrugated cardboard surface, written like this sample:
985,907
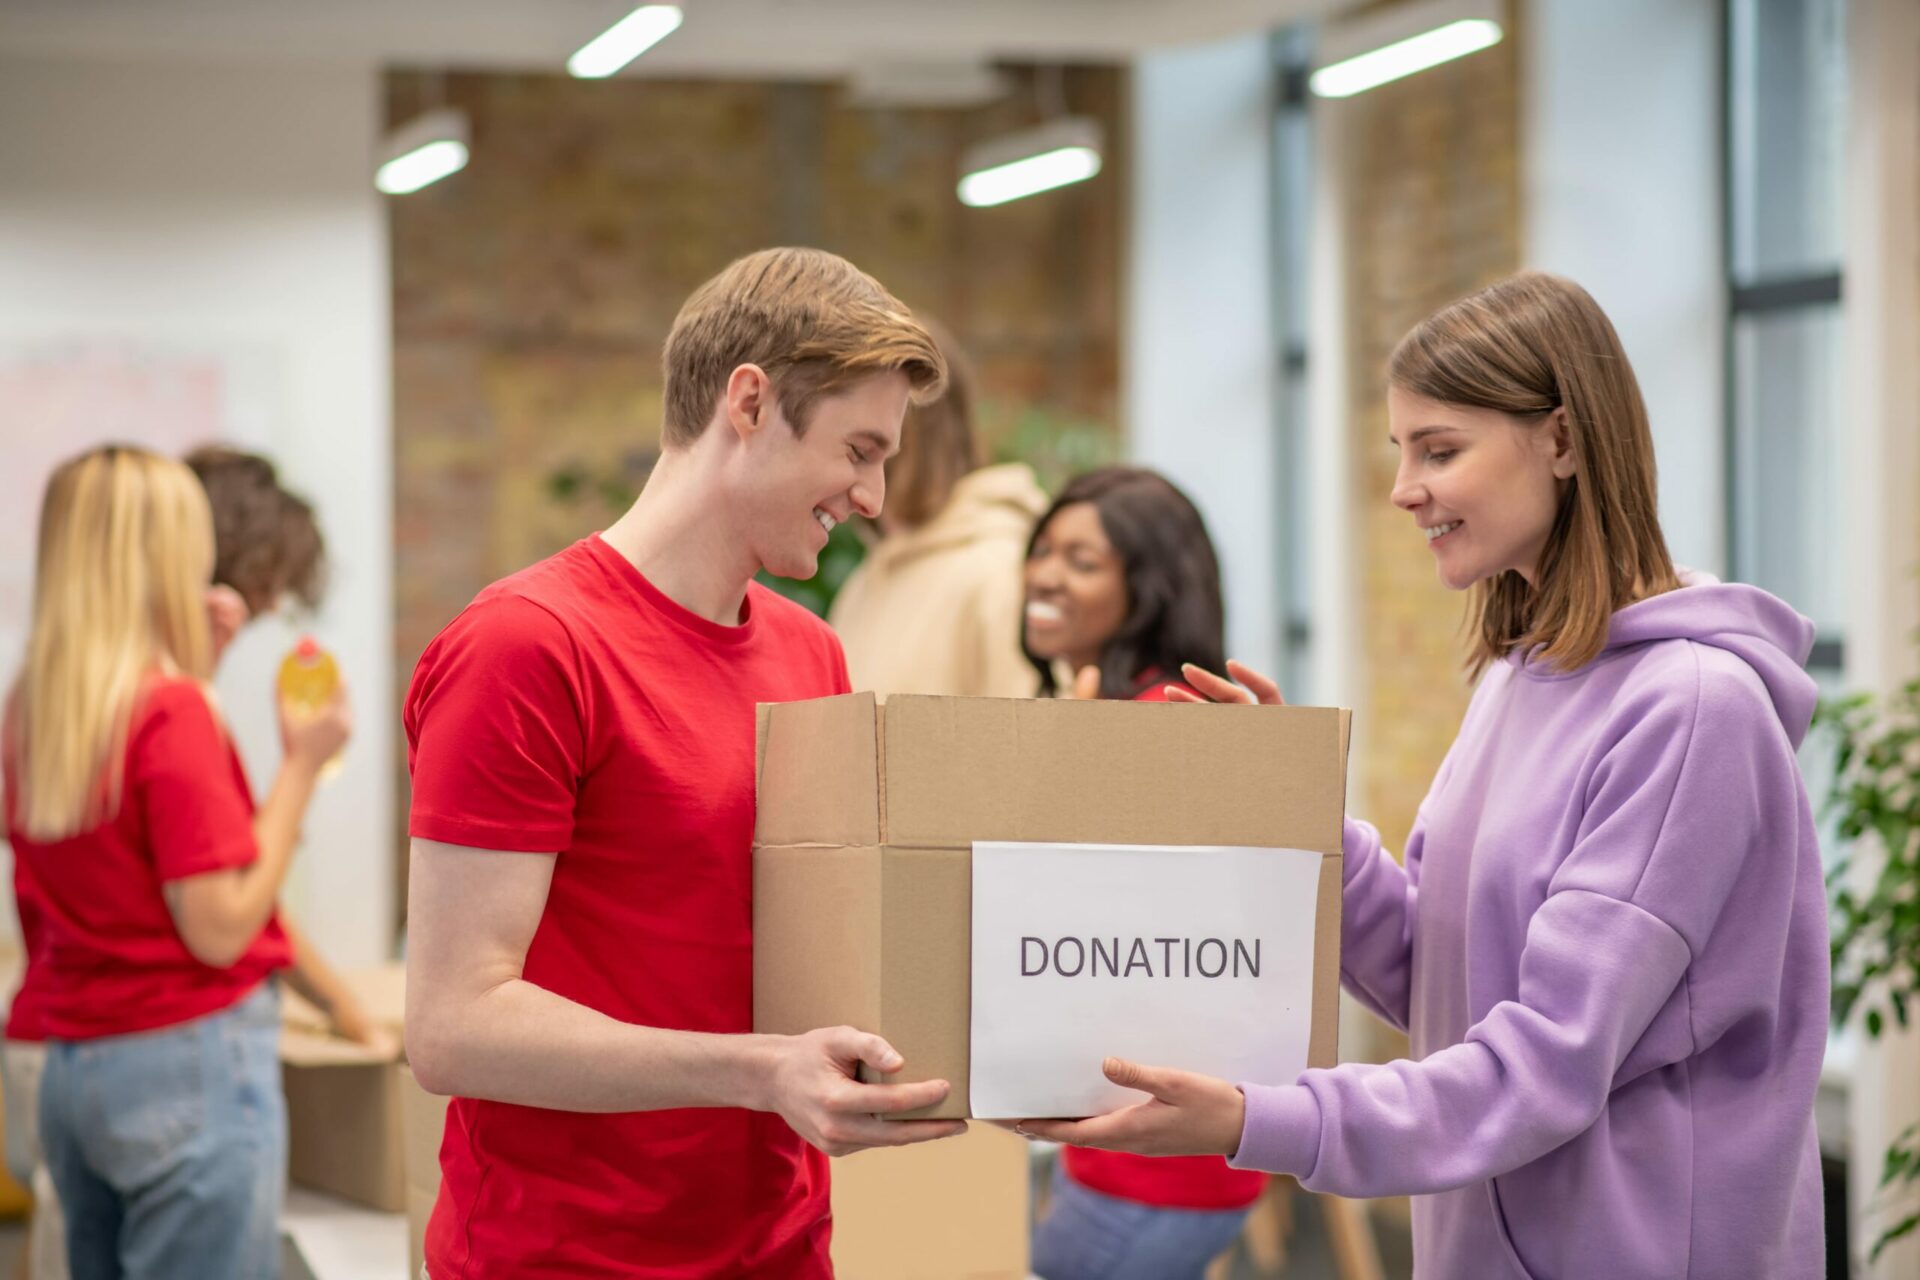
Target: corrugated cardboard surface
816,977
423,1118
949,1210
343,1099
923,778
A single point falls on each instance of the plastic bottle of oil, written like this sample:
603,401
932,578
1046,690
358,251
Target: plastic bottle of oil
308,677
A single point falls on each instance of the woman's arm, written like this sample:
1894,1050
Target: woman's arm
220,913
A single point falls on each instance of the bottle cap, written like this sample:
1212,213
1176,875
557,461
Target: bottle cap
307,649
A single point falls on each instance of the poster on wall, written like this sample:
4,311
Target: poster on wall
59,396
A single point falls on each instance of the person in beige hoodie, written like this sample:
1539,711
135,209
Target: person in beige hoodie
936,605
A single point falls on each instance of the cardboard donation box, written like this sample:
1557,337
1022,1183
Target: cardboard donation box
423,1118
952,1210
343,1098
1009,891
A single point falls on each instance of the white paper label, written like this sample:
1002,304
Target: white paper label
1191,956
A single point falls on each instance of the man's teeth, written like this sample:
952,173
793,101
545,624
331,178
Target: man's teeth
1040,612
1441,530
826,521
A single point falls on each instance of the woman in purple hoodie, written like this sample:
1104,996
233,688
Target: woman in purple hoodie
1608,943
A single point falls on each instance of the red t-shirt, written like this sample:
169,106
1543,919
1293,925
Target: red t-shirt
575,708
1179,1182
110,960
27,1015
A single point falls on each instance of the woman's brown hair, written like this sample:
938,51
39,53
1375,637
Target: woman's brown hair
937,443
1524,347
266,542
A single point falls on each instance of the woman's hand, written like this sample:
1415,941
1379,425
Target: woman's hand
1188,1114
312,739
1218,689
1086,684
350,1022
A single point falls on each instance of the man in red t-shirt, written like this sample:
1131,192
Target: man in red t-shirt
581,738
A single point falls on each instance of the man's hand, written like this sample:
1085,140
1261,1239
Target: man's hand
1187,1114
816,1090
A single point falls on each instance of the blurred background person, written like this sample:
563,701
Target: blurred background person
147,886
1122,586
268,551
934,607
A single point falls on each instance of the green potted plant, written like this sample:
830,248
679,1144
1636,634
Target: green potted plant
1876,927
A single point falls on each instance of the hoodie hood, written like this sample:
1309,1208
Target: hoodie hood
994,502
1761,630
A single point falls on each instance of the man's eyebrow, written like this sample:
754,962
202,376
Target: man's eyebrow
878,441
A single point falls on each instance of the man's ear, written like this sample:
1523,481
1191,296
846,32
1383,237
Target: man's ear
1560,433
227,612
748,401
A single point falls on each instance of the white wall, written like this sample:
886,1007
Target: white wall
1881,461
230,211
1199,358
1621,191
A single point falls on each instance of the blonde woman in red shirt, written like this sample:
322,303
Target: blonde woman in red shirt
162,1120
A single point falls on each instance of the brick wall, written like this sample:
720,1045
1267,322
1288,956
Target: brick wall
532,292
1432,211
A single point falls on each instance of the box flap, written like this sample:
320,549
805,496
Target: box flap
816,939
303,1047
307,1038
958,770
818,766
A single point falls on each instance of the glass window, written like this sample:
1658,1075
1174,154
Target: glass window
1785,117
1786,417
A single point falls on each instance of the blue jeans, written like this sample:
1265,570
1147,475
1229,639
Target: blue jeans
1090,1236
169,1147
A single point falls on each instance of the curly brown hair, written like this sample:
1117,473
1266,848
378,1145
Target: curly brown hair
267,545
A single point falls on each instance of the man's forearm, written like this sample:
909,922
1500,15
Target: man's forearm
519,1043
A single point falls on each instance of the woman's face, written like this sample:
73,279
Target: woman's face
1076,588
1482,486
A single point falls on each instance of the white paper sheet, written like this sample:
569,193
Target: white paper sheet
1198,957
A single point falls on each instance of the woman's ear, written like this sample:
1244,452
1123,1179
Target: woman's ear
1560,433
227,612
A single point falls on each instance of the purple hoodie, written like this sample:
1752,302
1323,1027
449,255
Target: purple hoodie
1609,946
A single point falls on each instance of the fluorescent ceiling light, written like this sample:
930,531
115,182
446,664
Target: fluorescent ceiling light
1057,153
422,151
1404,57
886,83
624,41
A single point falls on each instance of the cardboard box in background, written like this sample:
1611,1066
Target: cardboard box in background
343,1099
867,814
950,1210
15,1201
423,1117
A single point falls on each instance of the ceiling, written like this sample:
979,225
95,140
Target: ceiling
761,38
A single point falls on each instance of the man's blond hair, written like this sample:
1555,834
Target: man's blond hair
811,320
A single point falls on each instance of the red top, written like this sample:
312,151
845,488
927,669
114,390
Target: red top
109,959
574,708
1182,1182
27,1015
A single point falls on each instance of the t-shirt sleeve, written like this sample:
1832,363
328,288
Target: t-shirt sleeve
496,731
836,661
196,815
